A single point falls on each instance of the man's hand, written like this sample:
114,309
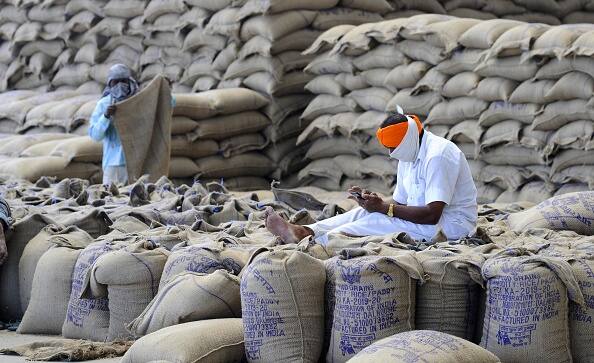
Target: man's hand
373,203
110,111
3,249
369,201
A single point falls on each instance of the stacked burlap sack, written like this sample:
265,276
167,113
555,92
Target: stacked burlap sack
552,12
220,134
169,265
31,157
515,97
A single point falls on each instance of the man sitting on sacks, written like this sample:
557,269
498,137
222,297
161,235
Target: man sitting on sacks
434,192
120,86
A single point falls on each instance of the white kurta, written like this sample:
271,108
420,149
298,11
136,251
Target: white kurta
439,174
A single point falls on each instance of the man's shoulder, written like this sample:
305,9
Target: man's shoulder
441,147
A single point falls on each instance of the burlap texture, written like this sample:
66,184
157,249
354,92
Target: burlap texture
368,298
50,292
448,300
132,278
282,301
526,316
190,296
216,340
143,122
424,346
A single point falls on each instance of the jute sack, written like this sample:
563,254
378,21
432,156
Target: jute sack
571,86
460,85
526,317
369,298
16,240
202,105
327,63
510,68
190,297
448,300
352,81
215,340
575,135
276,26
572,211
487,193
223,127
79,149
249,164
420,104
382,56
132,278
424,346
330,18
49,236
406,75
484,34
147,144
560,113
282,301
503,132
567,158
328,39
328,104
500,111
513,155
532,91
181,146
50,292
201,258
517,39
465,60
581,330
455,110
87,318
445,34
495,89
371,99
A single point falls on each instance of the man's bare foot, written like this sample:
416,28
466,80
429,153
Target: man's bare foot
287,232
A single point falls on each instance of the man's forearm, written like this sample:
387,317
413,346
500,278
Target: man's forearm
418,215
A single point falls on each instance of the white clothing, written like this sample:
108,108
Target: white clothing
115,174
439,174
359,222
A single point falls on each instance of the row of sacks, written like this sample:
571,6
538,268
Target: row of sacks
534,289
471,82
167,213
162,254
362,295
66,45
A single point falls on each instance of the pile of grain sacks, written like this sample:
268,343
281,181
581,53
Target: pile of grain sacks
552,12
216,135
513,96
193,267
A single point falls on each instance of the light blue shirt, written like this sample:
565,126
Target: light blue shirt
102,129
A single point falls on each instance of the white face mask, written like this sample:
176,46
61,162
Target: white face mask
408,149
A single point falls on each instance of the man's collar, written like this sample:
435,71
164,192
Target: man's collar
423,148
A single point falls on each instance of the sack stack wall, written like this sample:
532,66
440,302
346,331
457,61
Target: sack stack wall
515,97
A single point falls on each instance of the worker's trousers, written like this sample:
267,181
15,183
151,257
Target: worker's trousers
361,223
115,175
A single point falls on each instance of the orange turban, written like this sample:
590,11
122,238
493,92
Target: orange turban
391,136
